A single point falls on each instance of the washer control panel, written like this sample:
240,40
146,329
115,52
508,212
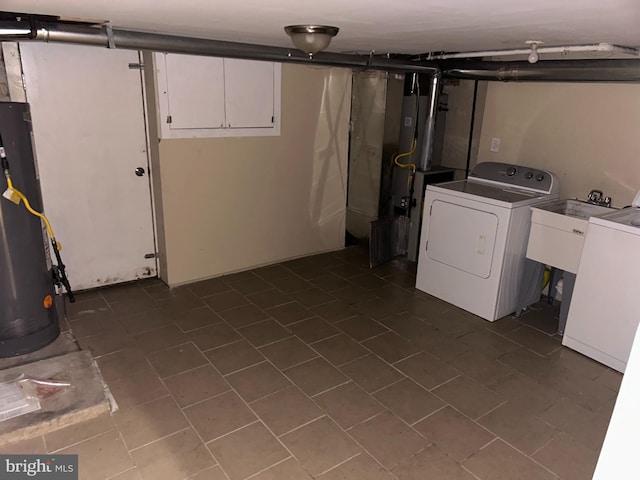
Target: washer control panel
516,176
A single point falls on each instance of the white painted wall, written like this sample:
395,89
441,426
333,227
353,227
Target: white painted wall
230,204
585,133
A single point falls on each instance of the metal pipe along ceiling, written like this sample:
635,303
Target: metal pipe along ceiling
104,36
600,70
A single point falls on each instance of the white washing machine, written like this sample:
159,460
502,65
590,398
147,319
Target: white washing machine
605,305
474,236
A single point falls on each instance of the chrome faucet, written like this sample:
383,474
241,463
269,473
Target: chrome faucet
596,197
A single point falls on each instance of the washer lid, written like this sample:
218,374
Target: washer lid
503,196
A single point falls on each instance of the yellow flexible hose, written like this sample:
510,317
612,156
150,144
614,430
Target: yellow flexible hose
21,196
406,154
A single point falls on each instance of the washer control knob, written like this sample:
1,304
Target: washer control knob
528,175
511,171
540,177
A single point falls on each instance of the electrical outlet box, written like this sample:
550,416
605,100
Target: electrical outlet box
495,144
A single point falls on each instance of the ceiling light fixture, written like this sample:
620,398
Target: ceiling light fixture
533,56
311,39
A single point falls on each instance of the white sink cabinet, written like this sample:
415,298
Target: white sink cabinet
557,232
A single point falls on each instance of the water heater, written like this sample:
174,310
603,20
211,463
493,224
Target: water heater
28,312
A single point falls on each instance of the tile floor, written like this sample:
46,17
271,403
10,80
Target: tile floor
323,368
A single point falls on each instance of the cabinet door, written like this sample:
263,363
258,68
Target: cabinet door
195,91
249,93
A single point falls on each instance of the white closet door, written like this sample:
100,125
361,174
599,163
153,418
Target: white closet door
89,135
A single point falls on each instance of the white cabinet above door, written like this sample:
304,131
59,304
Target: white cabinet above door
194,104
215,97
249,99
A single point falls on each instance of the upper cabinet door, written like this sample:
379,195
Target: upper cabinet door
249,95
214,97
195,91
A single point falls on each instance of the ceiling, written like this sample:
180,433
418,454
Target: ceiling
382,26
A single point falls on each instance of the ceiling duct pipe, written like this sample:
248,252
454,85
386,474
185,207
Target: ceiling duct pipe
426,155
108,37
48,29
596,70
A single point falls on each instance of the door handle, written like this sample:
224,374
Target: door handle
480,246
140,171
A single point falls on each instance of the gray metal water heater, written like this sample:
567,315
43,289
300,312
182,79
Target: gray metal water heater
28,316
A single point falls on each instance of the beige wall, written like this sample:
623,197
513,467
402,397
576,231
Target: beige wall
230,204
458,124
587,134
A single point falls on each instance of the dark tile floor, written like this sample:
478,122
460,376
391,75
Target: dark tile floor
323,368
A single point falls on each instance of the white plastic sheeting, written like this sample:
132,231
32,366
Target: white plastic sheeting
365,162
328,193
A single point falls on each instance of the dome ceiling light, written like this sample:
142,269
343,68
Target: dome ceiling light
311,39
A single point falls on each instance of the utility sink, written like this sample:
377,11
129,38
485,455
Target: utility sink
629,217
574,208
557,232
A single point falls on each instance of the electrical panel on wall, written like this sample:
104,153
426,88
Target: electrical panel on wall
217,97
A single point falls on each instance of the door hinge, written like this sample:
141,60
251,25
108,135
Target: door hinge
150,255
169,119
136,66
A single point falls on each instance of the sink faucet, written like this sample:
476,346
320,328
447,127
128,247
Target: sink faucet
596,197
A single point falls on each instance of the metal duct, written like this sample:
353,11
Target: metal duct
46,30
430,124
597,70
105,36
